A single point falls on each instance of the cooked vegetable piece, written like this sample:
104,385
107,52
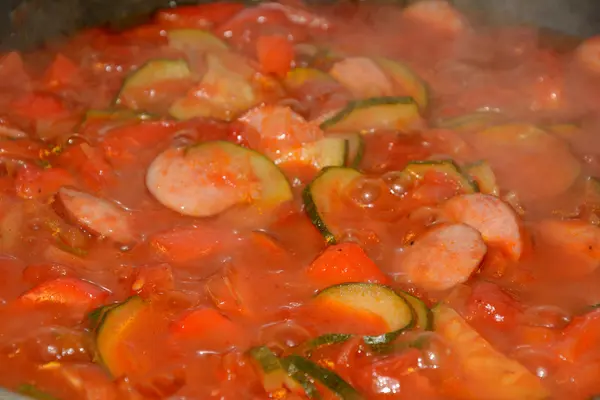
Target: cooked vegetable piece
302,379
211,177
493,218
325,340
70,292
417,170
96,215
407,82
443,257
322,196
275,54
362,77
344,263
488,373
222,94
373,298
148,77
195,40
482,173
326,377
112,333
532,151
423,315
327,152
368,115
356,147
273,372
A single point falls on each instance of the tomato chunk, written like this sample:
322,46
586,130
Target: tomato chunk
342,263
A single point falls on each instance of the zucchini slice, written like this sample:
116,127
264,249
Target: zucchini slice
195,40
326,377
482,173
112,324
483,367
407,80
191,180
356,148
422,313
327,152
149,75
374,298
273,373
366,116
322,196
417,170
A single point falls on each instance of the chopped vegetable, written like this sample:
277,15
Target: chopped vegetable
323,194
327,152
275,54
324,376
418,170
221,94
343,263
113,327
489,373
375,299
482,173
137,91
272,370
407,82
392,113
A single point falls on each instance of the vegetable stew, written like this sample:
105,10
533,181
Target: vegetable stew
276,202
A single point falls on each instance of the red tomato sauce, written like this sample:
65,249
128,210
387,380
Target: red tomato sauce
276,202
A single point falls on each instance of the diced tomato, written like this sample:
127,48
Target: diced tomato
12,70
153,279
342,263
89,163
187,243
203,16
489,304
20,149
35,106
581,337
209,328
37,273
275,54
61,72
32,182
70,292
124,142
